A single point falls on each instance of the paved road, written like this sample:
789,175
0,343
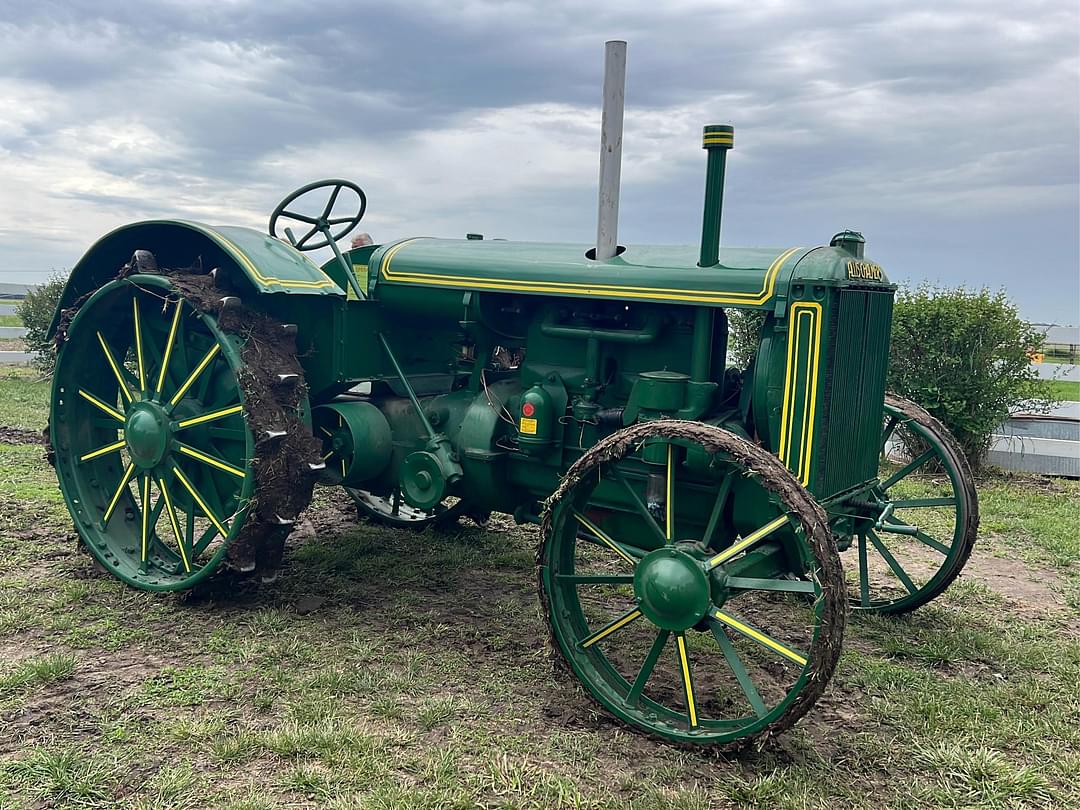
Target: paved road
15,358
7,308
1061,371
12,332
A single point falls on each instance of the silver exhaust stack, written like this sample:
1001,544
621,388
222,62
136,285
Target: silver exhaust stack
611,135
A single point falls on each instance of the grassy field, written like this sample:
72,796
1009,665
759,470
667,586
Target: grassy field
1067,390
389,669
10,320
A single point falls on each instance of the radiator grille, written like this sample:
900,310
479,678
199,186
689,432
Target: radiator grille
858,334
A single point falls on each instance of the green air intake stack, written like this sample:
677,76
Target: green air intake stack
717,139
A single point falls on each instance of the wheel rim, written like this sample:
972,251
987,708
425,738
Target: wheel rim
919,531
392,509
658,630
152,449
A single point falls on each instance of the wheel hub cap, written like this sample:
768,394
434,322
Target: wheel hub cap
147,434
672,589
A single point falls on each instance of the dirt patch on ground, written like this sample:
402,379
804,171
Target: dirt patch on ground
12,435
1031,591
16,649
332,518
95,675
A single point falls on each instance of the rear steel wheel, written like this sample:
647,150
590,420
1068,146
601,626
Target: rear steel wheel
924,515
153,435
712,614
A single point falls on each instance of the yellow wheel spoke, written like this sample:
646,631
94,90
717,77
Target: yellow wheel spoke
130,471
101,451
213,461
140,366
97,403
748,541
115,368
169,346
766,641
202,504
175,525
611,627
688,681
324,458
210,355
145,533
210,417
607,541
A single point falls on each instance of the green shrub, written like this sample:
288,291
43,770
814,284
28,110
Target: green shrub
36,312
965,356
744,335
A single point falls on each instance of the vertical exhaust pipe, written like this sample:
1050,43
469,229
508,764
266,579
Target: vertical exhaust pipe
717,140
611,132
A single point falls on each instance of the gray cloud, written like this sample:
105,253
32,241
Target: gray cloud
948,133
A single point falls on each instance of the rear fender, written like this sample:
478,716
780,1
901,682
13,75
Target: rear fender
246,256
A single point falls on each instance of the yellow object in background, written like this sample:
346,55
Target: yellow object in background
361,272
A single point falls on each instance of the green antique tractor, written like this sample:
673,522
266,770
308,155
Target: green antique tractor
691,513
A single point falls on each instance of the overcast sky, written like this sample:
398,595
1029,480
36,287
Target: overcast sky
947,132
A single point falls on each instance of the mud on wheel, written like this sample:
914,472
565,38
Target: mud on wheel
176,429
709,607
919,524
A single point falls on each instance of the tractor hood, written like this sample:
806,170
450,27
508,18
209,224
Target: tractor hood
745,277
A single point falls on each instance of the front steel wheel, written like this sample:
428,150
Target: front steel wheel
709,607
923,515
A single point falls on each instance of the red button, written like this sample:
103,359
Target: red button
528,409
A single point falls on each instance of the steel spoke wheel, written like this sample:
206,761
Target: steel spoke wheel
921,520
392,510
153,439
691,584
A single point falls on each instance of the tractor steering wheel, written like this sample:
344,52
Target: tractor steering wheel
321,224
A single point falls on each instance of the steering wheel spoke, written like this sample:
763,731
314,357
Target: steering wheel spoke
303,240
300,217
323,225
330,203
